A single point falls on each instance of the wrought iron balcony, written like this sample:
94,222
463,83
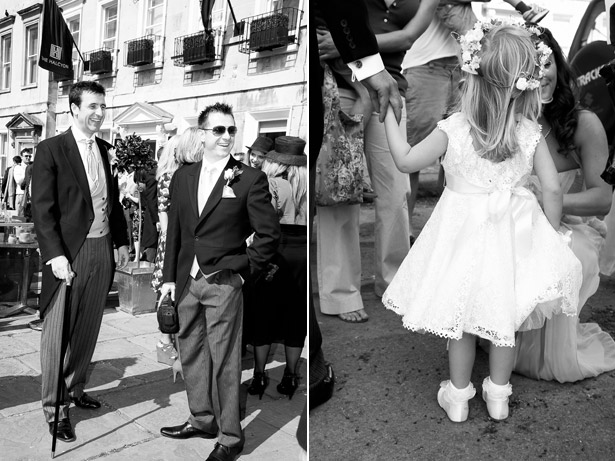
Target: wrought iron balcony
271,30
98,61
197,48
140,51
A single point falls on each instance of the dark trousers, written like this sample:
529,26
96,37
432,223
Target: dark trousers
93,270
210,314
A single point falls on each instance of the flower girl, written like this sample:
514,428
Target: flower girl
489,261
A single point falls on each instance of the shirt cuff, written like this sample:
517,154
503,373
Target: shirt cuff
366,67
53,259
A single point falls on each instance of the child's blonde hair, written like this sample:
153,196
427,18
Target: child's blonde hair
491,101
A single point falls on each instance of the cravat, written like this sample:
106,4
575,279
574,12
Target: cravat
92,163
206,185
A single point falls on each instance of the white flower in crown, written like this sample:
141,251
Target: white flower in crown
521,84
230,174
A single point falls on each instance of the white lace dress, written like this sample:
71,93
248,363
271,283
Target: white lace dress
487,262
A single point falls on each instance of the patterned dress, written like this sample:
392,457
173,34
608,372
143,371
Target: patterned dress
164,200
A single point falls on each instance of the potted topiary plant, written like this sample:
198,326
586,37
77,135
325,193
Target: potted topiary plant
133,155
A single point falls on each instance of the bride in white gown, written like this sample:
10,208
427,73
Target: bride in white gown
565,349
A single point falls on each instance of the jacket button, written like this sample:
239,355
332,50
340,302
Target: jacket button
196,238
343,23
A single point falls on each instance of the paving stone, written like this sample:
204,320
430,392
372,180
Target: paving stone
12,346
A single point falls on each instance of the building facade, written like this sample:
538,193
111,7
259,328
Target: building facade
159,67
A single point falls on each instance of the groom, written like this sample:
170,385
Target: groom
216,204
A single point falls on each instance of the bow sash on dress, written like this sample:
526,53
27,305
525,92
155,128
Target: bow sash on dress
516,204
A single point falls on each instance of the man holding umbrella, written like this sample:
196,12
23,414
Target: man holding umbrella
78,218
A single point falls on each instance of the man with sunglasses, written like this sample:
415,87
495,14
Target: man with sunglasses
216,205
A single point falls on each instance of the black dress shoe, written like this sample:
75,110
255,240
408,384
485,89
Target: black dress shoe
185,431
65,431
224,453
85,401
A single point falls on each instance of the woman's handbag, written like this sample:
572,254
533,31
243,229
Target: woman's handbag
168,322
339,167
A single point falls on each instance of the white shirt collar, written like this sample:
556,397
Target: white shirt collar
218,165
80,135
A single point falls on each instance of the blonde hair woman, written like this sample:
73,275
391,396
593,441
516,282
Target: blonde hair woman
180,149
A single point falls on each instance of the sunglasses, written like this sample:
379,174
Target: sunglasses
220,130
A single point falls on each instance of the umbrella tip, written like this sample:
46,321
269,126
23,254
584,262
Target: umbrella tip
53,453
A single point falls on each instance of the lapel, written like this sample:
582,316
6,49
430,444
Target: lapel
216,193
102,148
193,186
71,151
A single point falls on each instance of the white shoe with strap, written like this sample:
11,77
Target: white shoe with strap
455,401
496,397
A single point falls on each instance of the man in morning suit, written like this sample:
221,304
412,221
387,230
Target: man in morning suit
216,204
77,217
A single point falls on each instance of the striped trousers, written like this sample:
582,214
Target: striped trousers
210,314
93,268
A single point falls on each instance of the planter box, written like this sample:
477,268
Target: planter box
140,52
135,293
100,62
269,32
199,49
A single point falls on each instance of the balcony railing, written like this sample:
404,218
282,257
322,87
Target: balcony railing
271,30
140,51
99,61
197,48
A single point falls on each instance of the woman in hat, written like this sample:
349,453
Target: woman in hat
258,150
277,303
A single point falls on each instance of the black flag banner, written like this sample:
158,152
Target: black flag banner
56,53
206,7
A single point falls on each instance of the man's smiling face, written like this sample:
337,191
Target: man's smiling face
217,147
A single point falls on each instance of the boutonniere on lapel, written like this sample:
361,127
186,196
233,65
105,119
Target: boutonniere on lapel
229,177
112,160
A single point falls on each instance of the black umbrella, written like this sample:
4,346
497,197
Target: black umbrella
65,289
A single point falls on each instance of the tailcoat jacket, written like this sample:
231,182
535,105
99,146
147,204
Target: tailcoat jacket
62,208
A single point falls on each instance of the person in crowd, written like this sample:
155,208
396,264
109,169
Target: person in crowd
9,186
19,176
347,21
489,262
338,252
179,150
566,350
149,214
129,198
206,263
431,68
458,16
24,207
77,218
258,150
275,307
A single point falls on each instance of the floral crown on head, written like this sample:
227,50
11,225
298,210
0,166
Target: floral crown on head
471,45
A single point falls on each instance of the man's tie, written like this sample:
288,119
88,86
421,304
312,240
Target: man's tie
92,163
206,185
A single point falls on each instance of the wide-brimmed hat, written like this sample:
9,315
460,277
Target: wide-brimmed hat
288,150
262,144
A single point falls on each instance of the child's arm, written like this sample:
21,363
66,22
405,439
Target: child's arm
552,197
409,159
